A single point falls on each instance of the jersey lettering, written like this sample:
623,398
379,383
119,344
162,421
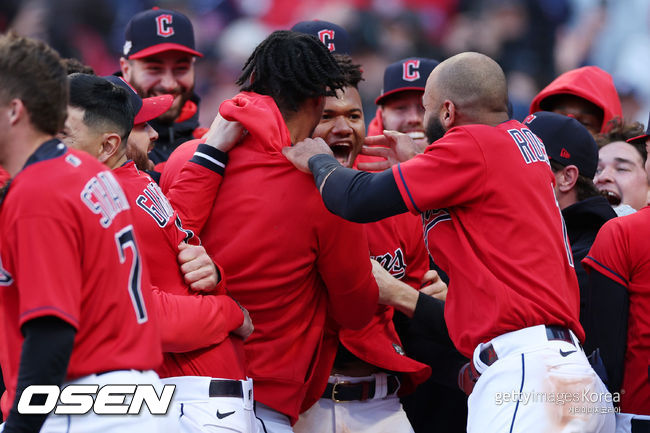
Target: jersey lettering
153,202
393,263
164,25
104,196
327,37
530,146
5,276
125,239
411,70
430,219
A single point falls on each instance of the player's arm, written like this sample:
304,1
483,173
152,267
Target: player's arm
198,269
191,185
345,268
193,322
605,324
353,195
426,312
44,360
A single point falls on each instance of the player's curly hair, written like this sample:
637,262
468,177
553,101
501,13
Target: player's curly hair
351,71
291,67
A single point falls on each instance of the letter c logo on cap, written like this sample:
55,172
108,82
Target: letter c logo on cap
164,25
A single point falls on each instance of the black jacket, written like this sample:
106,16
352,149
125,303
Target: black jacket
583,220
172,136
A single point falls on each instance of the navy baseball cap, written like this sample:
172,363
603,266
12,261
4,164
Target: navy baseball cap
641,138
406,74
145,109
157,30
335,38
566,140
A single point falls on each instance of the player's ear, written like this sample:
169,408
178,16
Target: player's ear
448,114
111,143
15,110
126,67
568,178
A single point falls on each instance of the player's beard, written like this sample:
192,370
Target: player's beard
141,159
180,94
434,130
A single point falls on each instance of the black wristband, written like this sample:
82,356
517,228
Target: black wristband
322,165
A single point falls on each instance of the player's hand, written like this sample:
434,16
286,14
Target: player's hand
224,134
393,292
432,285
393,146
300,153
246,328
197,267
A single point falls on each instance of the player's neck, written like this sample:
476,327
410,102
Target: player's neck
20,145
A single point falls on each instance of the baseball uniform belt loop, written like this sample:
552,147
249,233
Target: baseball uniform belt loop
226,388
344,390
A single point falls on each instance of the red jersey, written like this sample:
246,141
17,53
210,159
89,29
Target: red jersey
289,261
622,253
69,250
160,231
4,177
492,224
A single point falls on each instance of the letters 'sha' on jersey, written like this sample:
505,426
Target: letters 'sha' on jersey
68,250
491,222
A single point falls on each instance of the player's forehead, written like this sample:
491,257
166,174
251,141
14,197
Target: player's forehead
619,152
346,99
406,97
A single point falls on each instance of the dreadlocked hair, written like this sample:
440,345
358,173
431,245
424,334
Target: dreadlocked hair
291,67
351,71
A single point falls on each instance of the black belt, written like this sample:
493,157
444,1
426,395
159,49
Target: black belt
226,388
488,356
468,375
359,391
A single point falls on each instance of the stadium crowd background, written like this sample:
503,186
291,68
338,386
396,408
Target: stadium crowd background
533,40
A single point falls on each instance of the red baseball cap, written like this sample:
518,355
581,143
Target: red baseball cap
145,109
157,30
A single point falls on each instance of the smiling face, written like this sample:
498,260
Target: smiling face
621,175
342,125
404,112
169,72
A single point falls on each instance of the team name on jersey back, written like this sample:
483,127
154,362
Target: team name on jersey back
103,195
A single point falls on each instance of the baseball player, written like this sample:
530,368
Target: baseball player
620,174
73,308
279,246
620,276
207,375
587,94
400,103
372,358
482,187
158,58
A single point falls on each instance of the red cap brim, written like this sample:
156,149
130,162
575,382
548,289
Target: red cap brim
152,108
392,92
155,49
639,139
